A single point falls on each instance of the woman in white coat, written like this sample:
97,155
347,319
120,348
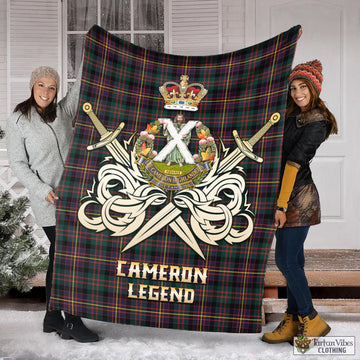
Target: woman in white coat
39,133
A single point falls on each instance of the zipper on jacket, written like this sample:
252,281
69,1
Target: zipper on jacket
57,143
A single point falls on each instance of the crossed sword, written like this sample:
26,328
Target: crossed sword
170,214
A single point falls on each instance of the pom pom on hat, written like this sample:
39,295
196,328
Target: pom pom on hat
44,71
311,71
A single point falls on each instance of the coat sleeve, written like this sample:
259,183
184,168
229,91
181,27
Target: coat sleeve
18,160
69,103
304,150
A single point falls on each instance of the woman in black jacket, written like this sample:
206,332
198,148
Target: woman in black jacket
308,124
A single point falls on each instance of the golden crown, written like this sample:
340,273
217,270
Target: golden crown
182,96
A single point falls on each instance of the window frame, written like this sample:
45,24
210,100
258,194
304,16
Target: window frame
65,80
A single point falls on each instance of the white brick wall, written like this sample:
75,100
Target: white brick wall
3,74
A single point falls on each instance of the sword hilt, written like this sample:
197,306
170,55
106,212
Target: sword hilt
97,123
106,137
275,117
246,146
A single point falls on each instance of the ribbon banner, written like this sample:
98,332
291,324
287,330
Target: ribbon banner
165,217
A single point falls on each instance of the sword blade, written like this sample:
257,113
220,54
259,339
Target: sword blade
181,228
231,160
118,152
164,217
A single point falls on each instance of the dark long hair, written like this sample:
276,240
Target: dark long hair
48,114
315,102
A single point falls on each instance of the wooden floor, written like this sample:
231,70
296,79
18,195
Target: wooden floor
325,268
32,301
333,270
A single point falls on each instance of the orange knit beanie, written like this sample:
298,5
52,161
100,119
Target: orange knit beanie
311,71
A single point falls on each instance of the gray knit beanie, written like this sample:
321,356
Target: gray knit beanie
44,71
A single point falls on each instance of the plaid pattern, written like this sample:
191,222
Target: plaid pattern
122,81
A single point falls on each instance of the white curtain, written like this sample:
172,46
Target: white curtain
115,16
148,14
81,16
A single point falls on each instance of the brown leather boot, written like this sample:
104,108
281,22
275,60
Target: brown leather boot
313,326
284,332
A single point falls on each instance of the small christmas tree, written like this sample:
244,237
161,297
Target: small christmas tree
21,257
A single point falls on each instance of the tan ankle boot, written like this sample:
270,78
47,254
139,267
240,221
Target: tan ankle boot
285,331
315,327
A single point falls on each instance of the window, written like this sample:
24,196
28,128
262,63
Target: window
138,21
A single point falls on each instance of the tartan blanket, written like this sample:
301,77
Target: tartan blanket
165,217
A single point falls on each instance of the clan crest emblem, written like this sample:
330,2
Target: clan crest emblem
177,164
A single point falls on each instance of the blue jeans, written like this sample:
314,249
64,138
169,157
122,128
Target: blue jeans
289,256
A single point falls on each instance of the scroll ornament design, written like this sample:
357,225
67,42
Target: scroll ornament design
121,196
124,196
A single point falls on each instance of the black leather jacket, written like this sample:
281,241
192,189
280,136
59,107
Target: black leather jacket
302,136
